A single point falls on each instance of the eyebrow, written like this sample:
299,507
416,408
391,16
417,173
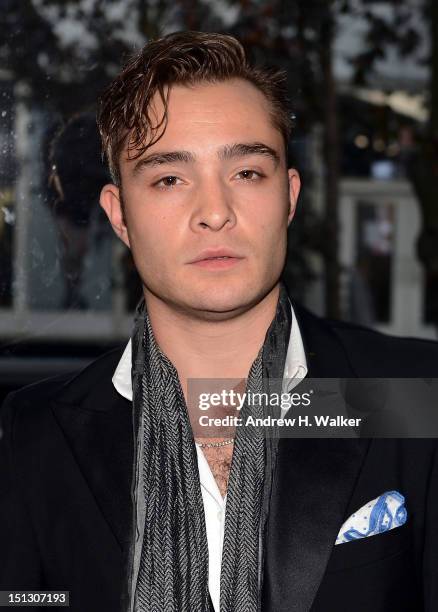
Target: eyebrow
235,151
227,152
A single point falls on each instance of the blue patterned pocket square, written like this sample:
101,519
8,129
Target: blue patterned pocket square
381,514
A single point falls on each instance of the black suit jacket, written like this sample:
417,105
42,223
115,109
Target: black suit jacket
66,475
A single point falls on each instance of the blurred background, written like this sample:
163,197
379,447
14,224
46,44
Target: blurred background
363,79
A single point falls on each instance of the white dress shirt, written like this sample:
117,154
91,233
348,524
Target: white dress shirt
214,505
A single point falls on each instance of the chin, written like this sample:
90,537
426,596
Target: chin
221,301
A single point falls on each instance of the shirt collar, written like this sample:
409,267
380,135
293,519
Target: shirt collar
295,365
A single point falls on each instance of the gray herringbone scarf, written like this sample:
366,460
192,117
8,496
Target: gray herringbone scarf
169,557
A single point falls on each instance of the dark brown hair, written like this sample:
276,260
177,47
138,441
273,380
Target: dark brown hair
184,58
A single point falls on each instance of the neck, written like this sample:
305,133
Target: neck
199,348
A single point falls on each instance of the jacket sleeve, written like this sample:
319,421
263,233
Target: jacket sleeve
430,561
20,565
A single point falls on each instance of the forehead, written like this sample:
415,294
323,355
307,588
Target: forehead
207,115
214,97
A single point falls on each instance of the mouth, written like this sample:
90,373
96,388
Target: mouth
217,263
216,254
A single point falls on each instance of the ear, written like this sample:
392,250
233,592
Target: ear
294,190
111,203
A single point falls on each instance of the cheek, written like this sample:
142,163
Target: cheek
270,207
270,225
149,241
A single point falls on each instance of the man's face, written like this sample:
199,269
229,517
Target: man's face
217,180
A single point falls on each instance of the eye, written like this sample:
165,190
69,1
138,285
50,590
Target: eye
167,182
249,175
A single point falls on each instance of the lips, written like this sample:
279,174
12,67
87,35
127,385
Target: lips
216,254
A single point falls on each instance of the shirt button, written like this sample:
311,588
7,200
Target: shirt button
219,515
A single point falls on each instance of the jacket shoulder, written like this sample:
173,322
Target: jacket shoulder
68,387
368,353
370,350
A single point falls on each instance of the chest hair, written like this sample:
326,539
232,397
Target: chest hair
219,460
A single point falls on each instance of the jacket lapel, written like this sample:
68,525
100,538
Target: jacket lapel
313,482
97,425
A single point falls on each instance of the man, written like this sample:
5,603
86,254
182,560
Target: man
75,150
133,517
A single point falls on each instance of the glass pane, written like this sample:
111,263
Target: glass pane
7,193
70,254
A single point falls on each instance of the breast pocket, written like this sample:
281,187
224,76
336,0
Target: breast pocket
374,573
370,549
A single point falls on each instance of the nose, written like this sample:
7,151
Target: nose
213,208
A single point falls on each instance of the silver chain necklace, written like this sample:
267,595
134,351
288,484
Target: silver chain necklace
215,444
